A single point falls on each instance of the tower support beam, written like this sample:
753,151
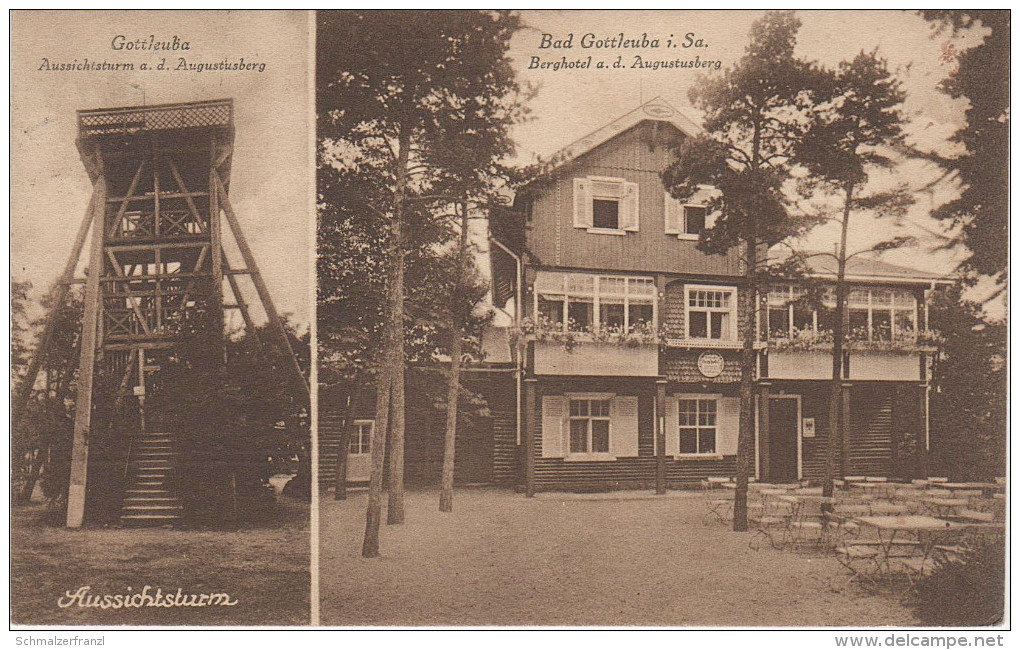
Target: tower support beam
59,295
275,324
86,365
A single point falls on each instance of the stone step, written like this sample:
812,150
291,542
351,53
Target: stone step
151,500
139,521
154,508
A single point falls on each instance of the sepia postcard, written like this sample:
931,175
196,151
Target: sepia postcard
161,241
588,319
662,318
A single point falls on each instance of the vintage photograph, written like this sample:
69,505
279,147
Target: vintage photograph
662,318
161,296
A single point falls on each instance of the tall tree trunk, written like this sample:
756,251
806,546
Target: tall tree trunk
453,387
395,504
391,375
749,300
838,334
373,517
353,400
745,437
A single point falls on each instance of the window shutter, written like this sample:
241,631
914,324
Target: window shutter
552,426
623,431
630,208
674,212
672,426
728,426
582,203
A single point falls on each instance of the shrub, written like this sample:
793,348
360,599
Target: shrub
968,591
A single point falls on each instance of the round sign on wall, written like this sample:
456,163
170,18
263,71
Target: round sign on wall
711,364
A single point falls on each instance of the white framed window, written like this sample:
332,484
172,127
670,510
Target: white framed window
581,302
875,314
361,438
711,312
606,205
589,425
788,314
698,424
882,314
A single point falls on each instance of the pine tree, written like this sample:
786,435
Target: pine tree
753,116
395,89
857,118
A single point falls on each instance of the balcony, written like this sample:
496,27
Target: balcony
589,358
899,341
583,351
807,355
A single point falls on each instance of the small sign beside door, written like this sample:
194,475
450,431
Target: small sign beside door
809,427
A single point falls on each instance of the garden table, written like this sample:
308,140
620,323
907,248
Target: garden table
986,488
917,533
940,507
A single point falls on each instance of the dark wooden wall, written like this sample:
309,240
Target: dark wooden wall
486,442
638,155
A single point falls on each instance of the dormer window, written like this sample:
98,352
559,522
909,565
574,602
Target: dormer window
606,213
694,219
686,218
604,205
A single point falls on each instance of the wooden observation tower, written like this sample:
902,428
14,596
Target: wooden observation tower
161,180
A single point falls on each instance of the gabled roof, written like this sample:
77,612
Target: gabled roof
869,269
656,110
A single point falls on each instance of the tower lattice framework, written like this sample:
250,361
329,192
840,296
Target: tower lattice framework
161,179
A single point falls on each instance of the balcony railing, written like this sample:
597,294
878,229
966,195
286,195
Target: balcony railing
164,117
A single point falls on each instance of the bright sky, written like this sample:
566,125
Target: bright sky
271,175
572,103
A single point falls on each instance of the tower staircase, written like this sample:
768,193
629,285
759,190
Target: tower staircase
150,494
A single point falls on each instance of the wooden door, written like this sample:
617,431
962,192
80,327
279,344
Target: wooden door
359,457
784,418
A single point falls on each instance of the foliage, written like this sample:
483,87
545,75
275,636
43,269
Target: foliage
231,418
965,592
982,78
544,329
441,79
41,435
926,340
20,346
969,398
754,114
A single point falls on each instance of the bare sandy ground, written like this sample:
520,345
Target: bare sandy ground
502,559
264,567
